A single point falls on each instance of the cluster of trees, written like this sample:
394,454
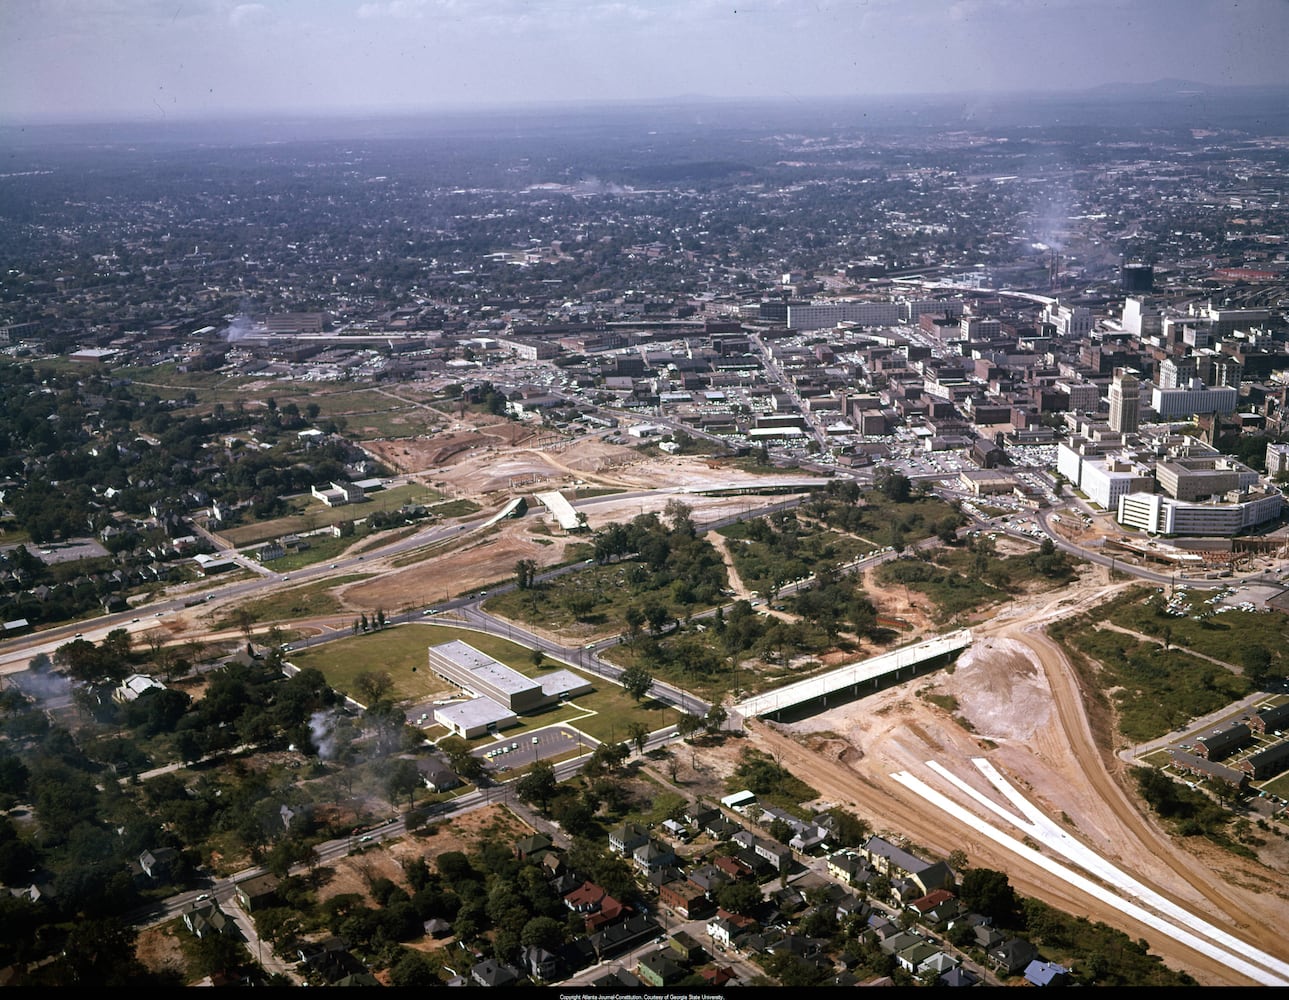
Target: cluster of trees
79,434
760,773
668,555
889,514
695,655
492,900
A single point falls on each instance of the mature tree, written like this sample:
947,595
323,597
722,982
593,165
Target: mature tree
894,485
543,932
538,785
634,618
688,724
989,893
636,681
580,604
101,953
638,733
1257,663
525,573
373,685
244,619
403,778
413,970
466,764
739,897
680,514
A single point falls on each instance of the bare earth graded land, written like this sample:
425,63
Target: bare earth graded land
1020,696
1014,689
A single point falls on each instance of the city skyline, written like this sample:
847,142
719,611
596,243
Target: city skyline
147,60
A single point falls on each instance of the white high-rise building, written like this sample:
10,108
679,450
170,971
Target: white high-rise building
1125,402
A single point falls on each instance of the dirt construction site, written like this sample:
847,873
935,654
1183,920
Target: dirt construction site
1013,699
490,471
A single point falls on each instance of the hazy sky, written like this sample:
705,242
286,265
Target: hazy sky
142,59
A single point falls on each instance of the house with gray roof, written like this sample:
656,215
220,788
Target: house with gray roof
1270,720
1223,742
895,862
1266,763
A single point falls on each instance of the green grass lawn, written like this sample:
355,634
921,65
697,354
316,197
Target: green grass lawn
604,714
295,602
1155,689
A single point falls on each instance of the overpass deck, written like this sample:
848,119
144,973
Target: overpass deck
853,674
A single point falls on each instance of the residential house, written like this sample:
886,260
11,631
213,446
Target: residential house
542,965
687,947
207,918
895,862
849,868
719,976
436,775
615,980
733,867
614,939
915,954
533,846
709,878
1041,973
490,972
437,927
332,961
596,905
160,863
626,838
1012,955
727,929
936,966
258,892
898,942
660,969
134,686
651,855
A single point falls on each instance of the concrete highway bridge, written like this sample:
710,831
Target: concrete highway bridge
844,682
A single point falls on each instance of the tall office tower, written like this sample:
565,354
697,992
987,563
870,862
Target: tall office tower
1125,402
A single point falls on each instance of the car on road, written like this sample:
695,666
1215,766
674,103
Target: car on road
204,896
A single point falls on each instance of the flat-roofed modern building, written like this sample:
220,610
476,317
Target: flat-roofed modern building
1169,404
473,718
1104,479
466,667
502,691
1189,478
820,315
1163,515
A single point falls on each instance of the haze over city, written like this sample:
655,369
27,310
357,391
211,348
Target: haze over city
152,60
